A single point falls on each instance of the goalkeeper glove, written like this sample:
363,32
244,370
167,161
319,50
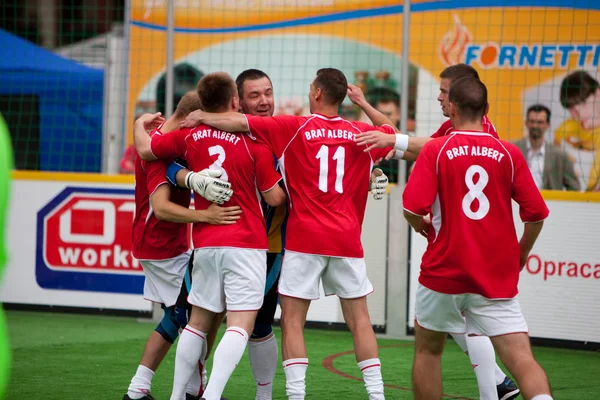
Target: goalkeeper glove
379,184
206,184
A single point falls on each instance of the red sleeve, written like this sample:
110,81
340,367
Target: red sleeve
264,161
443,129
156,174
532,207
376,154
170,145
422,186
276,132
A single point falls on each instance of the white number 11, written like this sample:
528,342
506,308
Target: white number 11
323,157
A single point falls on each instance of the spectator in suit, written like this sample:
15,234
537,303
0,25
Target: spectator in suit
550,166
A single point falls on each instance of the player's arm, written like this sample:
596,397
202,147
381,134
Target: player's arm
420,192
166,210
142,126
532,208
205,182
358,97
379,140
229,121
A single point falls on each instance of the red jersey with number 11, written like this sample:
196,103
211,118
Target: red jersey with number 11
327,179
467,181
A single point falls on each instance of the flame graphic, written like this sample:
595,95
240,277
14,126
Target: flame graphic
454,43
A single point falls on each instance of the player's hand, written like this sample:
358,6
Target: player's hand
192,120
218,215
356,95
424,227
375,140
150,121
390,155
379,184
207,185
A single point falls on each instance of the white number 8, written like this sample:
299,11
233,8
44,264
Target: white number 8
476,192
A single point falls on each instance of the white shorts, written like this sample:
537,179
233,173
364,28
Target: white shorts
228,278
482,316
344,277
164,278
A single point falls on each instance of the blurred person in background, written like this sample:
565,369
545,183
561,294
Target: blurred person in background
550,166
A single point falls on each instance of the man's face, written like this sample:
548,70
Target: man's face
537,124
390,110
258,97
589,110
443,96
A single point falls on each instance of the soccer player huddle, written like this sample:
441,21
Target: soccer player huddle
279,203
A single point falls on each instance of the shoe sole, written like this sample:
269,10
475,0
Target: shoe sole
511,395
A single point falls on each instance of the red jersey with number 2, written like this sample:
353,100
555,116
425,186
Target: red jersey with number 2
247,165
326,176
467,181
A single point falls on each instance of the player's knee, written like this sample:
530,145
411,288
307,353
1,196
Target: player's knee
261,331
174,318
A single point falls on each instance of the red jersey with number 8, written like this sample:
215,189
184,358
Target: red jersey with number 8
326,176
467,181
249,168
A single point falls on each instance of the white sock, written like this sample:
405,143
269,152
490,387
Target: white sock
295,376
542,397
194,386
204,377
189,351
462,343
263,359
140,383
371,370
483,359
227,356
500,375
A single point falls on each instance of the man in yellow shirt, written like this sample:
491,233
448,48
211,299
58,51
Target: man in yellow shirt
580,135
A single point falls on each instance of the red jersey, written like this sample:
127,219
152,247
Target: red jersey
247,165
467,181
327,179
154,239
446,128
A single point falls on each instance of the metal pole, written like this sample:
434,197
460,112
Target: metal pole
404,87
170,72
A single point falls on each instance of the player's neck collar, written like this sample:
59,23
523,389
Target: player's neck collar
327,117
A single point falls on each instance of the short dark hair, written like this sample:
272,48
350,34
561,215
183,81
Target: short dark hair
382,95
249,75
469,95
189,102
216,91
539,108
576,88
333,83
458,71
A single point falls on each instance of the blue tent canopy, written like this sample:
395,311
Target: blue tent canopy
70,103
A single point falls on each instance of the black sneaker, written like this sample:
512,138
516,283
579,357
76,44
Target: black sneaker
508,390
146,397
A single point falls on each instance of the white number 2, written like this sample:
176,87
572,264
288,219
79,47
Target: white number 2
323,157
218,164
476,192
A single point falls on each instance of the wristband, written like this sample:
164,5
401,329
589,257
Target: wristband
398,155
401,142
187,179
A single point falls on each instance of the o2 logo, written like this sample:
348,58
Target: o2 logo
84,242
